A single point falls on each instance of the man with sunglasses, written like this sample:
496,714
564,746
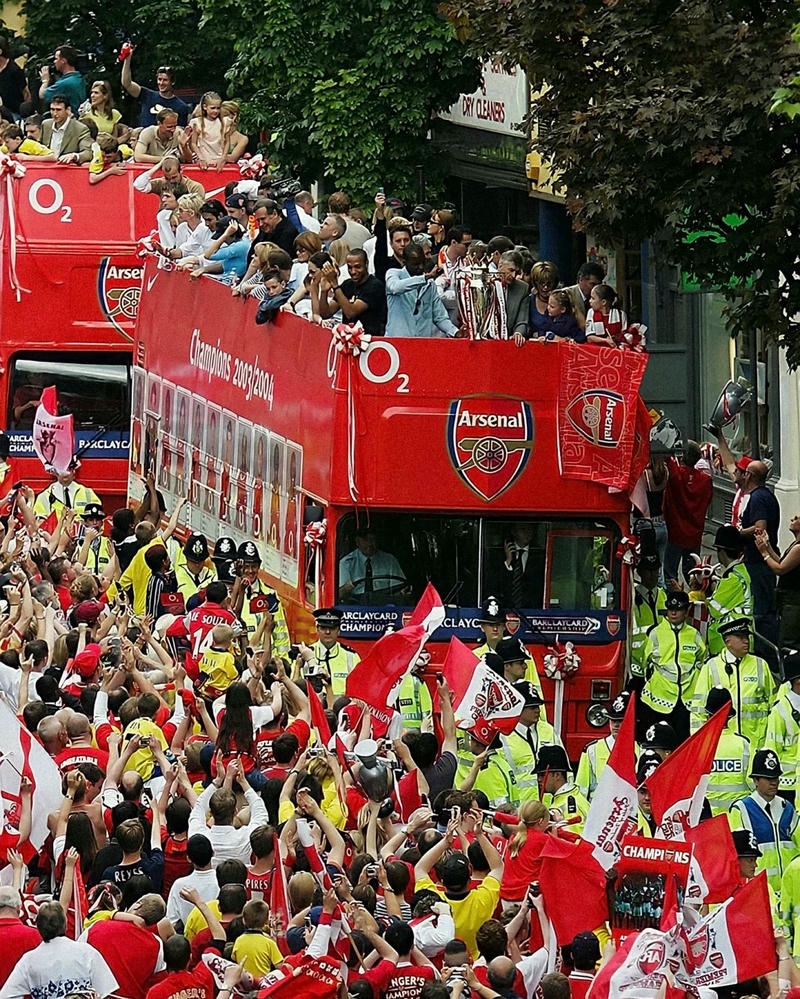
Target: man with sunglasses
154,101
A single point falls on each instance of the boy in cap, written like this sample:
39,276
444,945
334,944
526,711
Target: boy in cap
192,571
732,596
783,727
552,767
727,782
745,675
595,756
772,820
674,652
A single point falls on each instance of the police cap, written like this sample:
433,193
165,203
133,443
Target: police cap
492,612
196,548
746,844
735,626
552,758
717,697
615,711
729,538
328,617
248,552
529,692
677,600
224,548
660,735
766,764
511,650
650,562
92,510
791,664
648,762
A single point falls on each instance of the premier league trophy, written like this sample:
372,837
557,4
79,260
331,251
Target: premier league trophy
732,400
374,775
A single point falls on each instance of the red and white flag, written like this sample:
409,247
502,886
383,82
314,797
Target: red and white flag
315,861
479,694
714,868
313,979
615,803
429,611
52,434
734,942
280,911
21,755
642,968
568,859
678,785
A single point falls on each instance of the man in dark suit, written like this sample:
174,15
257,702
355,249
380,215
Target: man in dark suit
64,135
522,572
589,275
516,294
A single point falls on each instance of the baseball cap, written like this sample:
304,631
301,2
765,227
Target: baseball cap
422,213
88,611
86,662
236,201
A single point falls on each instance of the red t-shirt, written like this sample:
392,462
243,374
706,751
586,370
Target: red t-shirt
264,739
198,625
176,863
686,498
407,980
132,953
72,757
17,939
579,982
259,886
195,984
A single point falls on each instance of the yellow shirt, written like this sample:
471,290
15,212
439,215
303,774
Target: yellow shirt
256,952
143,761
218,671
196,921
137,575
470,912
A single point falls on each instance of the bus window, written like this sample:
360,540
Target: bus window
581,570
513,562
405,552
97,393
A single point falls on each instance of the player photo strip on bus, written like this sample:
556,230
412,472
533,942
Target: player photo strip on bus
137,422
152,421
211,527
196,444
292,512
242,479
260,473
225,510
277,486
183,405
166,442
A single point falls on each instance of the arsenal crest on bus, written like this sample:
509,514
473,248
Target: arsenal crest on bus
490,439
119,285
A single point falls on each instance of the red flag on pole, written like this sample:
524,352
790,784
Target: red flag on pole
614,806
714,869
53,439
429,611
376,679
315,862
569,860
318,717
280,912
479,694
678,785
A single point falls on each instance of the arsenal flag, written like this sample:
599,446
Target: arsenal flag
568,860
313,979
52,434
429,611
614,806
678,785
642,968
734,942
479,694
714,868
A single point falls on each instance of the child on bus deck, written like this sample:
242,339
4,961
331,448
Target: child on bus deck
15,142
217,666
560,323
275,292
605,321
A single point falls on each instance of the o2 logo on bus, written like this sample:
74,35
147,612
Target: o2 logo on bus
119,286
598,415
489,440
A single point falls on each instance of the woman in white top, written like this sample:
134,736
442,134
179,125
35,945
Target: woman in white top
192,237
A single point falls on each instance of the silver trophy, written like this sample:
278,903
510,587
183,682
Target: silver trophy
732,400
374,774
665,437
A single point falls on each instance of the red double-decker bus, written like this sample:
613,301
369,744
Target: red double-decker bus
429,454
69,289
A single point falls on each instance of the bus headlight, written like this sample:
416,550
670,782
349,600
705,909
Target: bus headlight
596,715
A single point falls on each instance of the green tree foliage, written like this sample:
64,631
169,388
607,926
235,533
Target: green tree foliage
347,90
165,34
657,116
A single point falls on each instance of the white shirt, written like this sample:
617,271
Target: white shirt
308,221
57,137
228,842
193,242
206,884
59,968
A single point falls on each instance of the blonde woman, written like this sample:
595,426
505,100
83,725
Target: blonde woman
523,858
235,142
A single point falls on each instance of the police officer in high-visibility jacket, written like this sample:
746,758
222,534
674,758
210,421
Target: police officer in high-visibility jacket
649,607
559,793
192,571
646,824
595,756
772,820
494,622
484,767
748,854
247,589
748,678
522,745
727,782
674,653
783,727
328,654
659,738
414,698
732,595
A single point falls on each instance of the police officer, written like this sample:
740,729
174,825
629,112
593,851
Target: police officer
414,698
649,607
517,662
674,652
483,767
96,552
328,654
783,727
553,768
522,745
728,779
595,755
64,492
247,588
493,622
224,559
747,851
192,570
646,824
748,678
733,594
772,820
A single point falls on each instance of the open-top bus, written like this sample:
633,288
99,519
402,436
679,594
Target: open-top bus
445,449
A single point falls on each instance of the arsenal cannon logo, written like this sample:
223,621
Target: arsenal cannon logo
489,440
